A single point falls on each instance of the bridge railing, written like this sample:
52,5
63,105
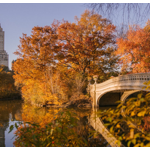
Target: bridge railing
142,77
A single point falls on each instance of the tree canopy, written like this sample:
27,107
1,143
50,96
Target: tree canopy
88,44
50,59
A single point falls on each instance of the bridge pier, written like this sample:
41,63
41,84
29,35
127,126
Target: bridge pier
126,94
94,105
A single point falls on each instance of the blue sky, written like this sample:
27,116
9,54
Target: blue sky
16,19
20,18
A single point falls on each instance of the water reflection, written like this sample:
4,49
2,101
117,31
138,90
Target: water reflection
98,126
9,110
14,111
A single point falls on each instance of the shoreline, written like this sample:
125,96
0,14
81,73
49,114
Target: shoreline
11,98
82,103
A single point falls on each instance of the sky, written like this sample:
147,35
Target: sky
19,18
16,19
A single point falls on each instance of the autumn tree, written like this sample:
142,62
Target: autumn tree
134,49
88,44
52,57
36,60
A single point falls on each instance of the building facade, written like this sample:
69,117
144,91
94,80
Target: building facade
3,53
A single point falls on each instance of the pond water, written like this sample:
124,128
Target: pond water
16,111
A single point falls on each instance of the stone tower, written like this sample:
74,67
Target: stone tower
3,53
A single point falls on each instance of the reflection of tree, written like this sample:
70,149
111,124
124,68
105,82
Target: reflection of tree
7,108
70,128
18,115
3,126
85,130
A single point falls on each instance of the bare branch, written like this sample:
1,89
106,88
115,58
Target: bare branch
128,12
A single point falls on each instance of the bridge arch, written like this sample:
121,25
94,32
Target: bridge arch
109,98
127,94
116,95
126,84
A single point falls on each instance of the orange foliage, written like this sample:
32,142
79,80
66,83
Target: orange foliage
51,58
88,44
35,69
43,116
50,127
134,50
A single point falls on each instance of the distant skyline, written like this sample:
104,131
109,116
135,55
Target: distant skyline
19,18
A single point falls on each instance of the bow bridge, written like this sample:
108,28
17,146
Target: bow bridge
117,88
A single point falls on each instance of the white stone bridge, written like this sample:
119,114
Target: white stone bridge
110,91
117,88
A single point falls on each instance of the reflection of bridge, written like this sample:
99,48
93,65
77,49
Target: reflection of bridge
117,88
98,125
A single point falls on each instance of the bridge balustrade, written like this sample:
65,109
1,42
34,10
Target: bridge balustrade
129,77
121,83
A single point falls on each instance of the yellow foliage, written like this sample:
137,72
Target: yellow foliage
142,113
